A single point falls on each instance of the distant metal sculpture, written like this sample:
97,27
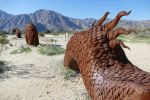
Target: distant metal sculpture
31,35
106,71
17,31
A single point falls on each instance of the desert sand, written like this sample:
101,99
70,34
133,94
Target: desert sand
33,76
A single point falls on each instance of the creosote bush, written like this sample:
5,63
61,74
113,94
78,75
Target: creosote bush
56,34
41,34
52,40
69,73
3,34
3,67
21,50
50,49
3,38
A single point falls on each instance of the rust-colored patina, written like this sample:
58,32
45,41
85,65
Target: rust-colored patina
17,31
106,71
31,35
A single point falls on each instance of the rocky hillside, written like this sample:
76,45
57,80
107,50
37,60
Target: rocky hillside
4,15
43,19
53,21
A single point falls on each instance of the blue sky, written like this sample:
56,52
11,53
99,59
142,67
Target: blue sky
80,8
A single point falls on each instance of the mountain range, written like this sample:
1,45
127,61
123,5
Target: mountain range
56,22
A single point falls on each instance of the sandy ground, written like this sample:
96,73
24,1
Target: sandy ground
38,77
139,55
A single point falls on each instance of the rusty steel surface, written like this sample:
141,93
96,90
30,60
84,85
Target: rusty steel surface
106,71
31,35
17,31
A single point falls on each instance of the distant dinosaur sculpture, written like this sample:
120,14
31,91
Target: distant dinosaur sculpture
17,31
106,71
31,35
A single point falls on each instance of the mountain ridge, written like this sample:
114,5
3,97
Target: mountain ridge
56,22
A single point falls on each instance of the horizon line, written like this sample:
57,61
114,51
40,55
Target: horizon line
70,16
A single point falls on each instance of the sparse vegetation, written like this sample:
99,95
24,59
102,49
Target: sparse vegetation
3,62
53,40
3,38
3,67
41,34
21,50
3,34
139,38
69,73
56,34
47,31
50,49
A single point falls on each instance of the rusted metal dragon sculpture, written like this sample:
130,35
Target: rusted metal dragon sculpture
106,71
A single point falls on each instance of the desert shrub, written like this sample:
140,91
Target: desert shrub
3,34
3,40
52,40
50,49
3,67
41,34
69,73
47,31
21,50
56,34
